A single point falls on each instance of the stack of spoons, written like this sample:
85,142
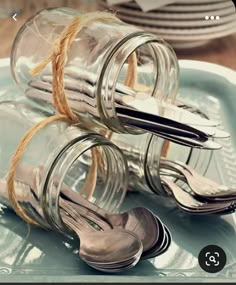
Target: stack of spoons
108,242
113,242
193,192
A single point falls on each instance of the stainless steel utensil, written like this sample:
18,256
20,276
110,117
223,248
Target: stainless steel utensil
139,220
133,109
200,185
162,244
189,203
110,251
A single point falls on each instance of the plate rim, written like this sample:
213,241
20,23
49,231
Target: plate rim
210,67
194,16
190,37
178,24
171,7
162,14
4,62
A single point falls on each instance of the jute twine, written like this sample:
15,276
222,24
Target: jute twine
15,160
58,58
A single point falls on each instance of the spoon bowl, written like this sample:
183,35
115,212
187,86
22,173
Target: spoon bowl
141,221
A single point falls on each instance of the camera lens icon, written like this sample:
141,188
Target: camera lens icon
212,259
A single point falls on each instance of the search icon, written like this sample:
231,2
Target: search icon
212,259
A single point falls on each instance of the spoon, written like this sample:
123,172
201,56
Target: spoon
189,203
162,238
139,220
164,247
161,245
201,185
109,250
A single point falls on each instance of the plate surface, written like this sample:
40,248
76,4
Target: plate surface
187,7
189,2
191,16
180,31
36,255
201,24
226,8
183,28
187,45
188,35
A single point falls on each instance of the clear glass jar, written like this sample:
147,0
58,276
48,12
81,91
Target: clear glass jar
55,159
143,153
101,51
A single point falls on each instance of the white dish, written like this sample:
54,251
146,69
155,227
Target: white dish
178,24
175,16
181,38
189,2
182,31
190,37
187,45
184,8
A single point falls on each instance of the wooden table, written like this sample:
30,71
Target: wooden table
221,51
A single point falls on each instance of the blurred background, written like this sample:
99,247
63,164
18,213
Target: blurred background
197,29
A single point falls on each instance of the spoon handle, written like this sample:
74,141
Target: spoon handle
199,184
70,222
86,213
68,211
79,200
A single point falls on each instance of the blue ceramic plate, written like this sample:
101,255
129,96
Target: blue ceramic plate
32,254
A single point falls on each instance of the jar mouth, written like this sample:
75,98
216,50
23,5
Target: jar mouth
157,75
70,169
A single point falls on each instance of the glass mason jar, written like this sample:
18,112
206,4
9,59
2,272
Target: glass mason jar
143,153
100,56
54,160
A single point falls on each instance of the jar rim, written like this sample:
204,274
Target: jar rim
78,146
105,99
197,158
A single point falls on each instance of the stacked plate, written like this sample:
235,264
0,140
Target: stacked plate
184,24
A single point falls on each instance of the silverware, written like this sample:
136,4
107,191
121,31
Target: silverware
42,92
167,110
133,109
186,140
45,96
133,98
147,227
189,203
139,220
200,185
109,251
153,234
162,243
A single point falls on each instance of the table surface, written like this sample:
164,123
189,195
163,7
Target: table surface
221,51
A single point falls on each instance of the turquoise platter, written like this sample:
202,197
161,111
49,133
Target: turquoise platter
31,254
